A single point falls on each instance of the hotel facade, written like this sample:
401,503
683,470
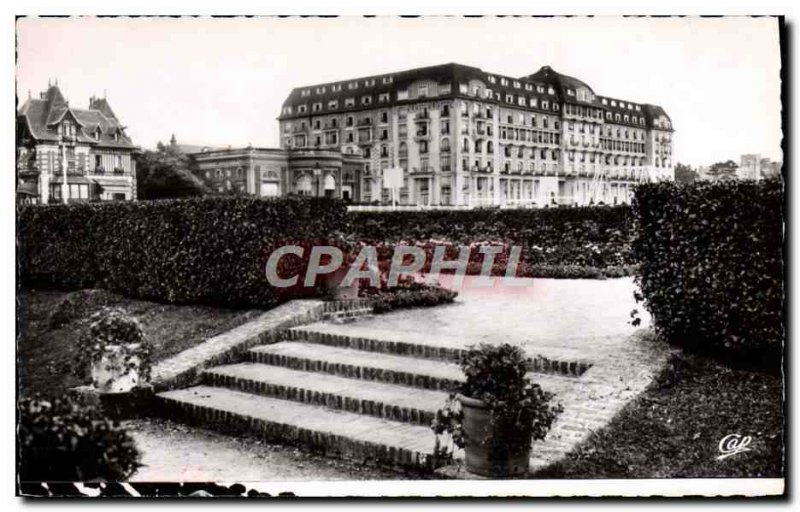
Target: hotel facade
463,136
67,154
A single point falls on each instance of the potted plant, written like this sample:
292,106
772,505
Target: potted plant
497,412
114,350
334,287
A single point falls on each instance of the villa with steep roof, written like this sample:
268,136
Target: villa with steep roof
70,154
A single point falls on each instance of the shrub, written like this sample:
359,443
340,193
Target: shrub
62,440
590,237
711,267
201,250
407,294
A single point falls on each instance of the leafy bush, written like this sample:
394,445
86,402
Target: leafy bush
407,294
711,265
589,238
497,375
203,250
62,440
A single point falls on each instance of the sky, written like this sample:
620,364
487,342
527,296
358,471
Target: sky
222,81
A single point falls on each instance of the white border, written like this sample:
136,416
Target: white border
697,487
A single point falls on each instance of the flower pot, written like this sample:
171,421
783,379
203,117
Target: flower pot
333,284
496,451
118,369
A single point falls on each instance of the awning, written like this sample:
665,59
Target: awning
72,180
28,189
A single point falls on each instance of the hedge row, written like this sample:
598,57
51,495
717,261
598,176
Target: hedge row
204,250
592,238
711,265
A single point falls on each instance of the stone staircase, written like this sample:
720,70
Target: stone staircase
368,399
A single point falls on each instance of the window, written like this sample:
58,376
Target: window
320,90
444,89
534,102
317,124
492,79
302,109
387,80
551,91
317,107
402,95
384,116
333,104
349,121
336,88
369,83
503,81
517,85
349,102
305,92
540,89
286,110
422,91
383,97
521,101
352,85
463,88
545,104
366,100
509,98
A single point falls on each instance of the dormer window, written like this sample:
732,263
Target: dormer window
503,81
97,133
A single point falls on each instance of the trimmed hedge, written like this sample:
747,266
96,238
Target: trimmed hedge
586,242
203,251
711,265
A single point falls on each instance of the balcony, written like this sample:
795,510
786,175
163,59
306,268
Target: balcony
423,116
367,121
119,171
422,135
299,129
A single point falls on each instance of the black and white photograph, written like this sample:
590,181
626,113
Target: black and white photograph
387,256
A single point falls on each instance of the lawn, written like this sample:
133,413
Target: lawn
673,430
45,349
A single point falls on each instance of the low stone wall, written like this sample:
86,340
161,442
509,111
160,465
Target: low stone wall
184,369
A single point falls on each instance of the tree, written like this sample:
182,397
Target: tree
685,173
723,170
164,173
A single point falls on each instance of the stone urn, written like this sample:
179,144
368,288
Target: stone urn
118,371
487,449
336,290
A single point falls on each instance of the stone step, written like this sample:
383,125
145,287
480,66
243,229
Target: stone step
416,345
357,364
388,401
344,434
379,367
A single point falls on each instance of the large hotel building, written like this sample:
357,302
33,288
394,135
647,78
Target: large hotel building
463,136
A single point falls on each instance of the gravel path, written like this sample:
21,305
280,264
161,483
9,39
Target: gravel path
172,452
